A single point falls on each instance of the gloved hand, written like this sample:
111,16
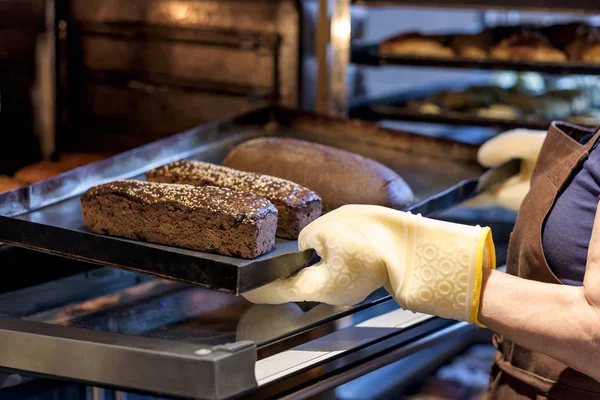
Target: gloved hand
521,144
349,269
428,266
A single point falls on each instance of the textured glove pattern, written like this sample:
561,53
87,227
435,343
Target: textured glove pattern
442,272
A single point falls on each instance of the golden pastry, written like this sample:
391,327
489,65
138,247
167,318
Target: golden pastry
591,53
416,44
472,46
424,107
430,108
528,46
499,111
590,118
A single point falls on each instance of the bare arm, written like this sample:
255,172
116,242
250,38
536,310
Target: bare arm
560,321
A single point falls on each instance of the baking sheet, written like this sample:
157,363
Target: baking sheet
47,217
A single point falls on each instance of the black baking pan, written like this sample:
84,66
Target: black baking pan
46,216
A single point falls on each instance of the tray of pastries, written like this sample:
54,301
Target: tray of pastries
222,205
570,48
493,104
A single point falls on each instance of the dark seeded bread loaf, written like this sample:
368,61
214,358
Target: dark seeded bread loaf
297,206
338,176
207,218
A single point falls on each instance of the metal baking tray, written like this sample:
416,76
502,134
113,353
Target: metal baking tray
47,217
368,54
395,107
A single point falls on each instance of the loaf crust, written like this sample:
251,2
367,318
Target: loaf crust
338,176
207,218
297,206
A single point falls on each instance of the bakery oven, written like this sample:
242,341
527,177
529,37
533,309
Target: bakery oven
106,76
25,81
140,83
133,72
80,80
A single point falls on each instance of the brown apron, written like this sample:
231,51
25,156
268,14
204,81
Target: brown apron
519,373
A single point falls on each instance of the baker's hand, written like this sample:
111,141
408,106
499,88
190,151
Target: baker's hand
429,266
522,144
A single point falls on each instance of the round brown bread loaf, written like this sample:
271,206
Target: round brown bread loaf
74,160
42,170
338,176
7,183
39,171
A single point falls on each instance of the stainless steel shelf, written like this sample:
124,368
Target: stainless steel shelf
381,113
577,6
368,54
341,34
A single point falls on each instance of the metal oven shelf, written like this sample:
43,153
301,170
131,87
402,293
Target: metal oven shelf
343,53
579,6
368,54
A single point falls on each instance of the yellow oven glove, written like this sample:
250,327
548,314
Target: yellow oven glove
522,144
428,266
349,270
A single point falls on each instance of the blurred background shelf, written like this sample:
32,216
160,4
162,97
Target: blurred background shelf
369,55
583,6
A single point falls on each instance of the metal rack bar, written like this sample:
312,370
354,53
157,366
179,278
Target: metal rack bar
341,27
322,39
577,6
68,353
363,368
368,54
